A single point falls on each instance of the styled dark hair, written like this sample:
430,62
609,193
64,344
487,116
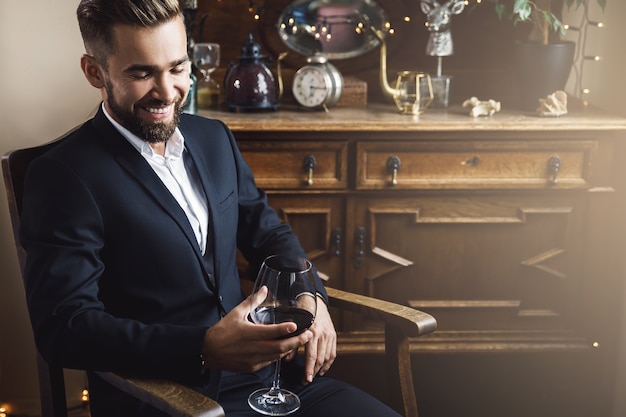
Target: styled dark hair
96,19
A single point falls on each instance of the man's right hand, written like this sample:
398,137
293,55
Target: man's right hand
236,344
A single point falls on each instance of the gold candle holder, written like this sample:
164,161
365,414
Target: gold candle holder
414,89
413,92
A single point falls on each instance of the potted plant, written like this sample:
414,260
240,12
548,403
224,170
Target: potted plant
540,14
544,61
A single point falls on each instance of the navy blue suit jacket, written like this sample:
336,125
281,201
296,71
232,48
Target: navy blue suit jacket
114,275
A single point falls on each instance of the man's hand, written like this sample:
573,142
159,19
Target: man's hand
321,351
236,344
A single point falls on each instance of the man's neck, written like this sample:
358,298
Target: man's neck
158,148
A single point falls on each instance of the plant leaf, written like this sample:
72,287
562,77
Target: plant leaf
522,9
500,9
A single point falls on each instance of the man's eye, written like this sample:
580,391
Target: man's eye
140,75
179,69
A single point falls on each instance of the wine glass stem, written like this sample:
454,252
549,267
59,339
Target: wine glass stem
276,381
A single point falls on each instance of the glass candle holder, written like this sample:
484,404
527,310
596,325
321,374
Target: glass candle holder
413,92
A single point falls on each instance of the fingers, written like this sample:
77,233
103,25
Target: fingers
269,332
320,353
319,357
257,298
329,360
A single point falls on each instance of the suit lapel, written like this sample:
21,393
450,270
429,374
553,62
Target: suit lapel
204,172
138,168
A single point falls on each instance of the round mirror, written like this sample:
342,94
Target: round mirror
334,28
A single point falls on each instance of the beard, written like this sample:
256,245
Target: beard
154,132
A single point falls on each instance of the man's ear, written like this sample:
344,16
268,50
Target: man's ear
92,71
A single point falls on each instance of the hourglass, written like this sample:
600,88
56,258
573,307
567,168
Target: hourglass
206,57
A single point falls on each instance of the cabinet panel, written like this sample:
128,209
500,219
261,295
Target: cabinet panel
297,164
318,223
461,164
487,262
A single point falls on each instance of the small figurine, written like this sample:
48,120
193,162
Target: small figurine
553,105
482,108
438,22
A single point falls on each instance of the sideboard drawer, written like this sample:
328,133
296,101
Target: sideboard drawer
298,164
475,165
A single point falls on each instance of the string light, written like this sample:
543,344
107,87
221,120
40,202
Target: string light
3,412
321,30
581,56
84,396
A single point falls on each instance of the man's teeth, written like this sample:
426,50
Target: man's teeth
161,110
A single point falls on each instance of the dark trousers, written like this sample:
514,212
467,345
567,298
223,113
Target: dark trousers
325,397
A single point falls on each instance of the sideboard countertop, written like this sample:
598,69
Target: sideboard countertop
385,118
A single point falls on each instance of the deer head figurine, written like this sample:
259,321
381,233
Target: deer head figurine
438,20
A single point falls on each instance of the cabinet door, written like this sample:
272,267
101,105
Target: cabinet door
318,223
476,261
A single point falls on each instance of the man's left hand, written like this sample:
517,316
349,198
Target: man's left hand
321,351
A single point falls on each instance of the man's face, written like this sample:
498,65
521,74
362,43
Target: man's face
147,79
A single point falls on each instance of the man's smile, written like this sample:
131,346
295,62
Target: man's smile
159,112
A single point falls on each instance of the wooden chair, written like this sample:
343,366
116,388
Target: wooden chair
401,323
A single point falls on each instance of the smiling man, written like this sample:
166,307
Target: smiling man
132,226
145,82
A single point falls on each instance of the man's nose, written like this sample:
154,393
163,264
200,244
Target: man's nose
164,88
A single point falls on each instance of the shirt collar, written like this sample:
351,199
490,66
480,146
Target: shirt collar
174,148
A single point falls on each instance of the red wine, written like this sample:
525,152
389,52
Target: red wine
275,315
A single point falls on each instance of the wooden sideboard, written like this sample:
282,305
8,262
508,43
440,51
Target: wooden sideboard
508,229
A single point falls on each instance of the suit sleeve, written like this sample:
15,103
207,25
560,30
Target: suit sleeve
261,233
63,234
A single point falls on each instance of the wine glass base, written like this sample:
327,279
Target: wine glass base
274,402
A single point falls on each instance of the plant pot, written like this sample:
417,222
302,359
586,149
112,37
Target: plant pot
542,70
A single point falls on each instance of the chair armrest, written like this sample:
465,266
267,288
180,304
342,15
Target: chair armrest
174,399
409,321
401,323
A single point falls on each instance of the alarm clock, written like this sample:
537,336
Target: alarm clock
317,85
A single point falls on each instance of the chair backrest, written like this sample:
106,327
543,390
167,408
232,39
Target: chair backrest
14,166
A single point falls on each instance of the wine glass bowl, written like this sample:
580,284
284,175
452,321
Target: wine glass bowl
206,57
291,297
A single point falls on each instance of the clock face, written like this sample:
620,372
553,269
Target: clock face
311,86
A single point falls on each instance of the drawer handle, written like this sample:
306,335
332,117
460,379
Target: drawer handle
337,237
393,166
473,161
554,166
309,166
359,237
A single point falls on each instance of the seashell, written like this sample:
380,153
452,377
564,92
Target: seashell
482,108
553,105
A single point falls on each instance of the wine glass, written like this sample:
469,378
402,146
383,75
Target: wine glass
291,297
206,57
